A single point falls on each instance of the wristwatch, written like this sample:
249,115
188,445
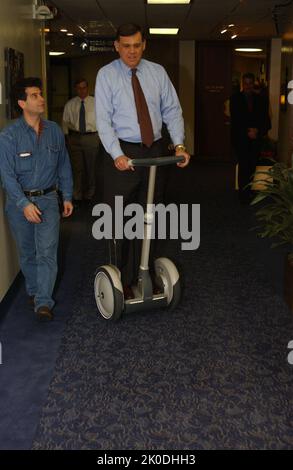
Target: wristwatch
180,147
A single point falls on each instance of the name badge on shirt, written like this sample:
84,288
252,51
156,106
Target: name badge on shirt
24,154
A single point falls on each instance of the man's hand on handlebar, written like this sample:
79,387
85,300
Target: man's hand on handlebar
186,156
121,163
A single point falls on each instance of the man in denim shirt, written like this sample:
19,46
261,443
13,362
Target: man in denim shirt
34,164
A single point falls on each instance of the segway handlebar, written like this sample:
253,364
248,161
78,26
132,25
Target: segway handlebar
157,161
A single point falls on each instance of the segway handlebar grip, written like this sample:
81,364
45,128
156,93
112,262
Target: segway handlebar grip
157,161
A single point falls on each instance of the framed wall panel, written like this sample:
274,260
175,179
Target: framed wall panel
14,71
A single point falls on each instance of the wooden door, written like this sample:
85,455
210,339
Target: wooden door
214,87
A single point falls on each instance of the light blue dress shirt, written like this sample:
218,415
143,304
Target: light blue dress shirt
116,114
32,162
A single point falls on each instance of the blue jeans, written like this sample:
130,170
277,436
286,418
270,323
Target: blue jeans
37,246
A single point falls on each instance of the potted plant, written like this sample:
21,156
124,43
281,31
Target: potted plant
276,215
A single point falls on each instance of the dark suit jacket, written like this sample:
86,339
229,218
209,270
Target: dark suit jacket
242,118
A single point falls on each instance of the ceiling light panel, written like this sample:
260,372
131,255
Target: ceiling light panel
163,30
248,49
168,2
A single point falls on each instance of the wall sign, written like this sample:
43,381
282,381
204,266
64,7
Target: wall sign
101,45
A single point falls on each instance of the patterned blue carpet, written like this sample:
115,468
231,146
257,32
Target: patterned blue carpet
213,374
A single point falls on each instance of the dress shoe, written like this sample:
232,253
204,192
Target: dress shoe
128,293
158,287
43,313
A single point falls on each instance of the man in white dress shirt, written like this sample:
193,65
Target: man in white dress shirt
79,127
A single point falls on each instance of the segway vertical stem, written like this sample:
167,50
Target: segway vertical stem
108,287
144,279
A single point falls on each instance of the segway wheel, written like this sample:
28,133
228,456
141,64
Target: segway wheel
109,292
168,274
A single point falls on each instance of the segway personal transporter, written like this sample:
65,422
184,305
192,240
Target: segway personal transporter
108,286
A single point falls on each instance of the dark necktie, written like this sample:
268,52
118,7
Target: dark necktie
143,115
82,126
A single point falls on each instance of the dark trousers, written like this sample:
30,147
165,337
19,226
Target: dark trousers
247,156
83,151
132,185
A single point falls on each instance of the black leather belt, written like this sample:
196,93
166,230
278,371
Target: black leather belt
138,144
40,192
80,133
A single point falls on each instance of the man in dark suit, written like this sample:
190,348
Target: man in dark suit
249,123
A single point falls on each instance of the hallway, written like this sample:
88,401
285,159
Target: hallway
213,374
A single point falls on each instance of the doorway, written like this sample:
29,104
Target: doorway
219,71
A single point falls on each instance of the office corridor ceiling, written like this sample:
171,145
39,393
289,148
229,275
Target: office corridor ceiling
199,20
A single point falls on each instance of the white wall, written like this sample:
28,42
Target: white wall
19,31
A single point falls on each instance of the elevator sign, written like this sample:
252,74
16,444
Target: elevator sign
101,45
